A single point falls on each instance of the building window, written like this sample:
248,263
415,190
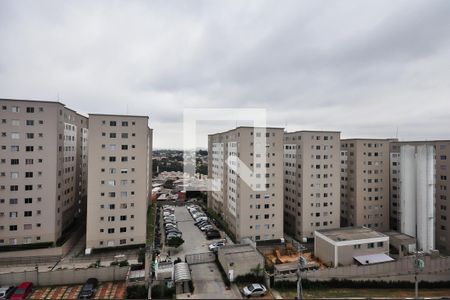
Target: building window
30,109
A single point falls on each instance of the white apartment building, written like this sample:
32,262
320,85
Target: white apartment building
251,209
119,185
311,182
43,170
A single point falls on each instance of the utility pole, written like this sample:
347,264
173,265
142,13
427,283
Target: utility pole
300,266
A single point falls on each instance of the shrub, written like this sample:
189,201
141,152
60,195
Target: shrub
7,248
175,242
137,292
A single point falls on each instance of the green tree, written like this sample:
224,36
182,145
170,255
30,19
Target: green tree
175,242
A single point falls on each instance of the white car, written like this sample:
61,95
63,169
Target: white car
6,292
254,289
216,245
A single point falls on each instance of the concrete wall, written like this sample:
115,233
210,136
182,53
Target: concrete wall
324,251
55,251
402,267
240,267
60,277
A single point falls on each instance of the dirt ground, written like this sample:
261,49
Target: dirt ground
106,290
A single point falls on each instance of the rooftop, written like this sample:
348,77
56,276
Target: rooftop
241,127
351,233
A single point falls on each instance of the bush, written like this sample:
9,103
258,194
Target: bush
124,263
160,291
137,292
175,242
136,267
141,256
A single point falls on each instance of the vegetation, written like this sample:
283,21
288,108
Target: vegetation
7,248
97,264
122,263
161,291
141,256
151,217
175,242
349,284
117,248
220,223
137,292
256,276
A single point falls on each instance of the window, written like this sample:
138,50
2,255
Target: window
14,188
30,110
28,200
112,158
13,201
110,230
28,174
123,229
28,187
112,123
124,147
15,109
370,245
14,175
12,227
15,135
124,123
30,135
29,148
28,213
30,123
14,161
112,135
124,135
15,122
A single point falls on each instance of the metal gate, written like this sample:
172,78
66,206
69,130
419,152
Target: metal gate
200,258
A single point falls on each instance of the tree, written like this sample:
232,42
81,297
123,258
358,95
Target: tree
175,242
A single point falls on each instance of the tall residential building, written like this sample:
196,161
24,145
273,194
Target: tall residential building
119,184
365,183
43,170
252,209
439,184
311,182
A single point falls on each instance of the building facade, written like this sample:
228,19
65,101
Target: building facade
119,184
365,183
43,170
248,193
311,182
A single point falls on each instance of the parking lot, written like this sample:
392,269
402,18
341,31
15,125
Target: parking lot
106,290
194,239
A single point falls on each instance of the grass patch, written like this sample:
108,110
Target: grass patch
151,217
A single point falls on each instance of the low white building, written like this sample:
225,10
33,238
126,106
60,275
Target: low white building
351,245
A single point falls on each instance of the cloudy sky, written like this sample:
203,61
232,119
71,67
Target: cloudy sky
365,68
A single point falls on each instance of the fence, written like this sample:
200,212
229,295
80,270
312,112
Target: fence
404,266
65,276
200,258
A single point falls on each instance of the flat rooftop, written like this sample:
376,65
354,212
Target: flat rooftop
351,233
400,237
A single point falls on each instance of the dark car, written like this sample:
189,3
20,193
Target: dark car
212,234
89,288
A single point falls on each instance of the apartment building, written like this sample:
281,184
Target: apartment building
246,165
119,183
439,183
365,183
43,173
311,182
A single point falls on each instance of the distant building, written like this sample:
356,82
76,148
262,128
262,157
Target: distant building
43,170
250,210
119,187
351,245
365,183
312,182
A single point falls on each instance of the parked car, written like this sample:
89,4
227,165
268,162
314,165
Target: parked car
206,227
216,245
173,230
172,235
202,223
89,288
22,291
203,218
6,291
212,234
254,289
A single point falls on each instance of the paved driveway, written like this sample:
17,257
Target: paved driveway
194,239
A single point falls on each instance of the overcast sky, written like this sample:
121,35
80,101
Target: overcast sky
365,68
